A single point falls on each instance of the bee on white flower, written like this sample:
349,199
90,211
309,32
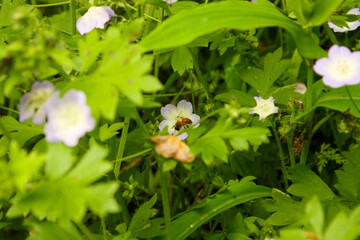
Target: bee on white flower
95,17
340,68
32,104
264,107
178,118
352,25
69,118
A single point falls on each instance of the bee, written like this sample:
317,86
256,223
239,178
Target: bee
182,122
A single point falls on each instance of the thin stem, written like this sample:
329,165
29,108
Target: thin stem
5,132
120,153
73,16
165,200
192,92
127,9
281,154
171,94
146,15
133,155
331,34
321,122
85,231
50,4
291,153
103,226
351,99
199,74
148,23
121,148
9,109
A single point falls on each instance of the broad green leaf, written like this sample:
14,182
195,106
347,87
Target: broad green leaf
306,184
349,181
293,234
140,220
322,11
338,99
7,10
72,195
286,210
21,132
235,194
58,160
344,227
315,215
92,166
53,231
181,59
180,29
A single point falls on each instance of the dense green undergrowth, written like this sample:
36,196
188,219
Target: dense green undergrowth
267,119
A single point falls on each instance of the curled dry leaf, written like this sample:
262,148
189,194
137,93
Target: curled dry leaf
171,146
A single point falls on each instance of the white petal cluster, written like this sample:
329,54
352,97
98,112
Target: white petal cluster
95,17
352,25
69,118
340,68
178,118
32,104
170,1
264,107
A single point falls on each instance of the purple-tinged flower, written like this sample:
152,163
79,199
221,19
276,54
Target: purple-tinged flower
264,107
32,104
352,25
69,118
178,118
95,17
341,68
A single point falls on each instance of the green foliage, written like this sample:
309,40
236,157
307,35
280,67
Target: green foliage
72,193
180,29
326,154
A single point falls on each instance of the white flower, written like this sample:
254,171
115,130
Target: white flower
353,25
69,118
95,17
341,68
178,118
170,1
300,87
264,107
32,104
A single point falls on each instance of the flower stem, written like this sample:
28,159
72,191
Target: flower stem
199,74
281,154
331,34
73,16
351,99
291,153
50,4
85,231
127,9
103,226
133,155
120,153
121,148
165,197
10,110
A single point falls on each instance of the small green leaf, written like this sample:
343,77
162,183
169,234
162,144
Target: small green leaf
181,59
106,132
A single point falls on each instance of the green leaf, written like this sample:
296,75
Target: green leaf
21,132
72,194
322,11
8,8
306,184
343,227
234,195
338,99
180,29
315,215
53,231
106,132
92,166
58,161
286,210
140,220
349,181
181,59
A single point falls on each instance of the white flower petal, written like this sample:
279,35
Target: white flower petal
264,107
194,118
163,124
169,111
95,17
32,104
352,25
185,108
69,118
183,136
